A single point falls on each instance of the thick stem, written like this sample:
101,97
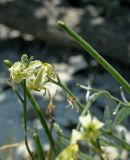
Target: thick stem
41,118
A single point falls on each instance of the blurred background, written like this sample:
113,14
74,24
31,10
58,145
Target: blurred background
30,26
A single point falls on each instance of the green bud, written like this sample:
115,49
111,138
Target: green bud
8,63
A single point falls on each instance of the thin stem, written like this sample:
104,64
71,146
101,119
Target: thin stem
87,107
71,94
98,148
40,151
92,99
123,142
95,55
60,84
19,96
41,118
25,120
107,94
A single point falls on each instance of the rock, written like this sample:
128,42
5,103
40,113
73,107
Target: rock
77,63
100,32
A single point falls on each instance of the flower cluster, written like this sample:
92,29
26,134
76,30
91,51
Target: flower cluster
89,132
34,72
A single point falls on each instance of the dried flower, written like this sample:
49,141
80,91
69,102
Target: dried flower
71,102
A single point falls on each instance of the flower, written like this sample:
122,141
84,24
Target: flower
17,72
69,153
75,136
20,70
35,72
49,70
37,81
90,128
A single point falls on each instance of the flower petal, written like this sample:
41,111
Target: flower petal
85,120
75,136
97,123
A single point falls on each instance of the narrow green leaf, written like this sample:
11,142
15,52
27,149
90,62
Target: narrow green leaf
108,125
121,116
39,147
107,113
123,136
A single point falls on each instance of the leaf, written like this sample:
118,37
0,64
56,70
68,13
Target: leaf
121,116
123,136
107,113
86,157
108,125
61,143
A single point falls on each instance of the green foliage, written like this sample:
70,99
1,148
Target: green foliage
90,134
107,114
121,116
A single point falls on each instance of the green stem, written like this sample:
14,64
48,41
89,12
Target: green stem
25,106
41,118
95,55
25,120
107,94
86,108
37,109
71,94
60,84
98,148
19,96
40,151
123,142
95,96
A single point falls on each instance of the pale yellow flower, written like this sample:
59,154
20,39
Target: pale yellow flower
49,70
90,128
69,153
37,81
17,72
20,70
75,136
35,72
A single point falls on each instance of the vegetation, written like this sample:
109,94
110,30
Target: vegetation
91,134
